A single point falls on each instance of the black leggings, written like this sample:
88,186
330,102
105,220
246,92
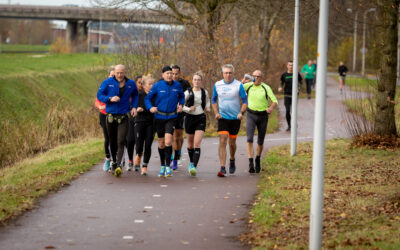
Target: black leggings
309,83
103,120
130,139
288,104
117,133
144,137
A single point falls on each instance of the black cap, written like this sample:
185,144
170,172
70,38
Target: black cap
166,68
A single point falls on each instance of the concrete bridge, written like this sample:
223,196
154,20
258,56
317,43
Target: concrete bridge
78,17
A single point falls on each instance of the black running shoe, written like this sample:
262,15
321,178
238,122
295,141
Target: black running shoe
113,167
258,165
232,167
251,168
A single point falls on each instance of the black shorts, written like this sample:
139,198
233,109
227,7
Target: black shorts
164,126
195,122
179,121
228,127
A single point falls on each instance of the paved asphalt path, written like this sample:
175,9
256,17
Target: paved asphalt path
99,211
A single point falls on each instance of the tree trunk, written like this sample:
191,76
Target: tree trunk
385,98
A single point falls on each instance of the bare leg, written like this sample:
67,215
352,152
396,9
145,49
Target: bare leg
232,147
259,150
222,149
250,150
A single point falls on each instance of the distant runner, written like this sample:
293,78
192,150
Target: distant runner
286,86
257,116
197,103
309,73
178,132
342,70
229,102
168,99
120,95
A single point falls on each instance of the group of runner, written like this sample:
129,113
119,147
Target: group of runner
132,112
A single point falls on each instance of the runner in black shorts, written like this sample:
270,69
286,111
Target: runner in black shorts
229,102
196,104
179,121
165,100
286,86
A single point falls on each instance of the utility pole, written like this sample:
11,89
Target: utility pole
317,185
295,82
364,50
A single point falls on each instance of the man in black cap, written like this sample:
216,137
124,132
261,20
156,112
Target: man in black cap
165,100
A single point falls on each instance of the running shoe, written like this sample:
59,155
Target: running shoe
174,165
137,167
288,129
251,168
168,171
258,166
222,172
192,169
113,167
118,172
130,166
144,170
162,172
232,167
106,166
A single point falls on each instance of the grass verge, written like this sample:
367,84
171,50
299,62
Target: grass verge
361,199
24,47
22,184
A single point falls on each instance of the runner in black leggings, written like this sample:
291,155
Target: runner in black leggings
286,86
144,127
102,119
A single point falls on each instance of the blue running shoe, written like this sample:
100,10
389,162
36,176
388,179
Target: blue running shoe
162,172
106,166
222,172
168,172
174,165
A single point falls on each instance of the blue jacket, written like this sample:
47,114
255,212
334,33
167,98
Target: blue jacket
166,98
110,87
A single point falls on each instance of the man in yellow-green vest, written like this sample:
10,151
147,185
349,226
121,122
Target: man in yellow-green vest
258,110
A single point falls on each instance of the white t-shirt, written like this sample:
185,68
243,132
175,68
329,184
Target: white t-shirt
197,102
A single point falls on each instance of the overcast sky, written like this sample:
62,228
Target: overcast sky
48,2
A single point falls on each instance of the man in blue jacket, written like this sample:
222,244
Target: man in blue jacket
165,100
120,95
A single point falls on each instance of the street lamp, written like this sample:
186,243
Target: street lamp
364,50
354,39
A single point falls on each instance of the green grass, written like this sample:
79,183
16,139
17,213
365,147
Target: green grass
361,199
360,84
22,184
24,47
12,65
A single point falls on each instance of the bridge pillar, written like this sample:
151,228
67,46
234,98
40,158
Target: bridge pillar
72,31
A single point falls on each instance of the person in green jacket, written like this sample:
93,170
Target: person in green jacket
309,71
257,116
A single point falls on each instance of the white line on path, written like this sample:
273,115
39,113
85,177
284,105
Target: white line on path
148,207
163,186
157,195
128,237
288,138
139,221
